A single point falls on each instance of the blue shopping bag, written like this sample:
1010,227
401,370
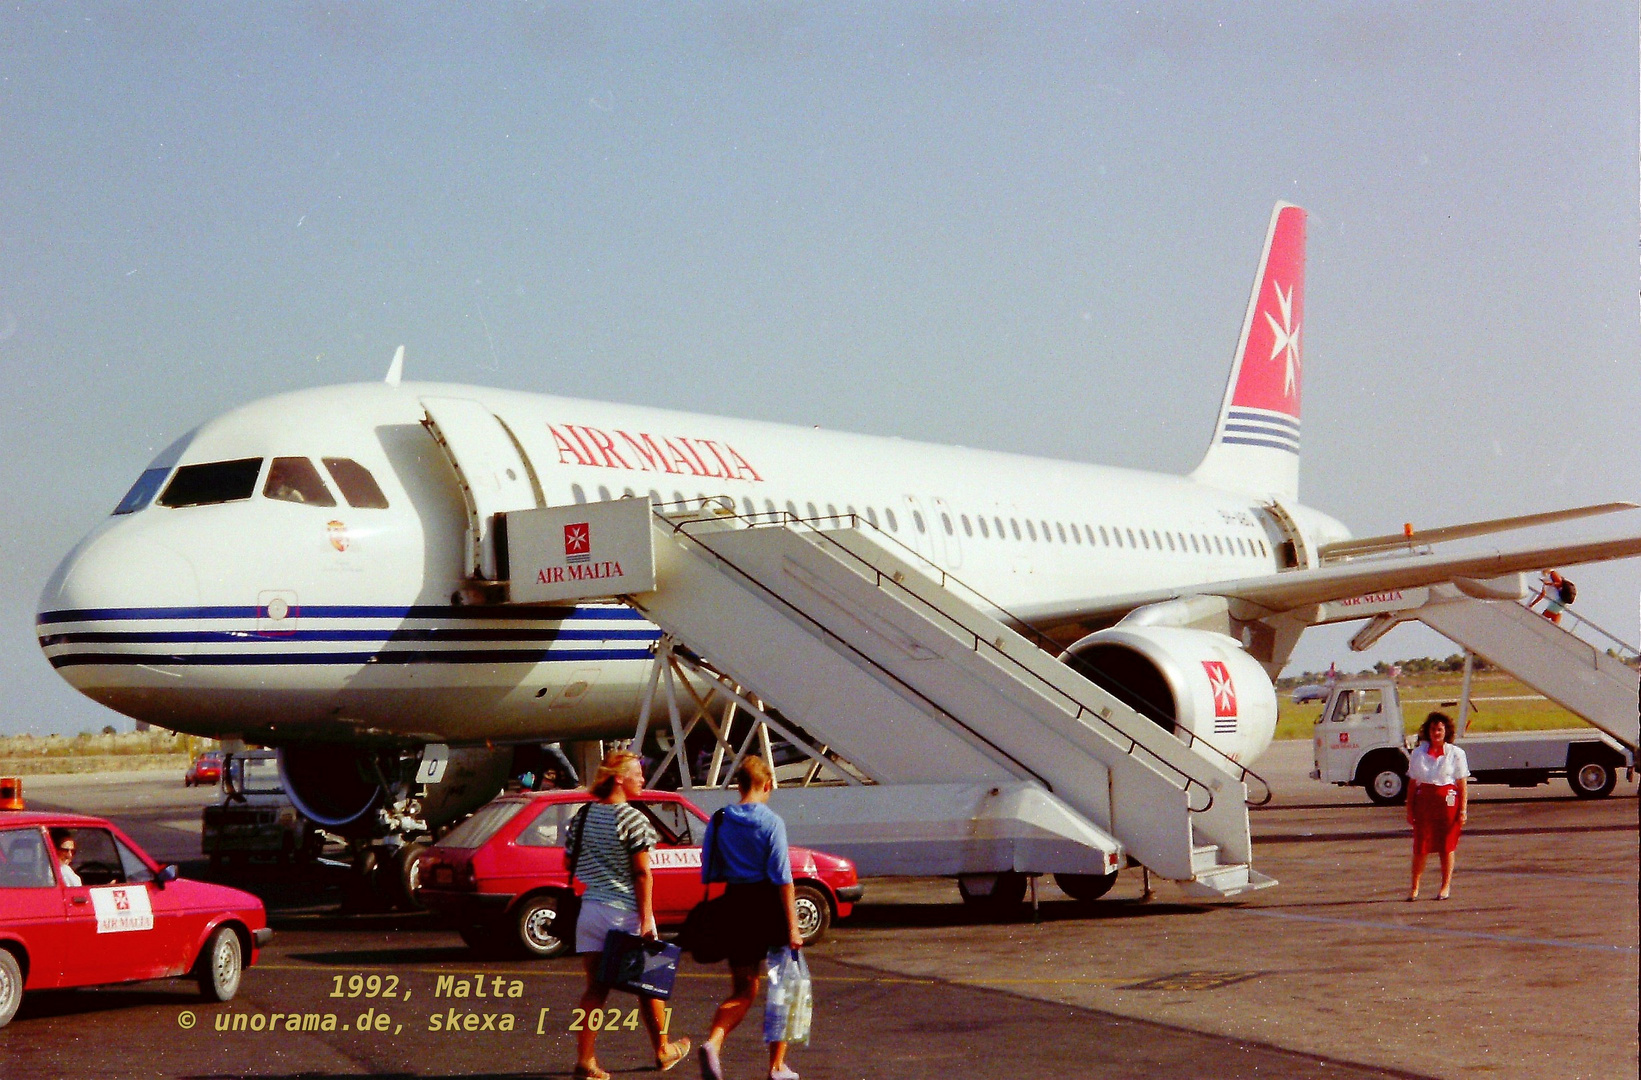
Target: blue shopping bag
643,966
789,1004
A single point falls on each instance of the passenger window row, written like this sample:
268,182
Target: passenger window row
1036,531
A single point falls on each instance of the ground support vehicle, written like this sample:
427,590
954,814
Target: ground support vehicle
256,817
129,919
500,877
1359,740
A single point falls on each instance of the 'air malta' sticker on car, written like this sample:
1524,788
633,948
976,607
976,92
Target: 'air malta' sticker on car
678,858
121,908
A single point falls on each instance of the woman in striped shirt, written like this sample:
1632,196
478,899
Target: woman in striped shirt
609,845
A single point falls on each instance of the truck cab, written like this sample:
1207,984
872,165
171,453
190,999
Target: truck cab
255,816
1358,739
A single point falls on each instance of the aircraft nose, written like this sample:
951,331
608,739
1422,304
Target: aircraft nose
111,599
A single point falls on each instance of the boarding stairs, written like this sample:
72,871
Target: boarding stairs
895,668
1593,681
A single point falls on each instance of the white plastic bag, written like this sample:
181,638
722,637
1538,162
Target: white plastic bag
789,1005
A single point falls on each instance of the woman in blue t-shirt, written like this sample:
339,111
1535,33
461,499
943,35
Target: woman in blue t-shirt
748,851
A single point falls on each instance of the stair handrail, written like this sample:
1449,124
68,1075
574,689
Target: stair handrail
786,519
1625,649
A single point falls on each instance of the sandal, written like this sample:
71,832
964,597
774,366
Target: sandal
677,1051
589,1072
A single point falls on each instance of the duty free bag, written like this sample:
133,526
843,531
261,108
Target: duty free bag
642,966
790,1003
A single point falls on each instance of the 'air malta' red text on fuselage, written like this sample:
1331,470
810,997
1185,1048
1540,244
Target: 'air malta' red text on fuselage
578,444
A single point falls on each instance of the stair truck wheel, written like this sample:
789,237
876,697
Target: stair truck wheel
1591,775
1086,887
1384,777
1005,894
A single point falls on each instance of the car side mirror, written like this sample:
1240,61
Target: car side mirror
167,873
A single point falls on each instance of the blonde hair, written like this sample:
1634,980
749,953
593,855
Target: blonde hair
754,772
610,770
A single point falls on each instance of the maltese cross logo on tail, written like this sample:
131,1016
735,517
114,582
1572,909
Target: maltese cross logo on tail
1219,681
578,543
1285,339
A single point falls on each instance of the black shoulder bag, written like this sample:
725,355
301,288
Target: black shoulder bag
704,934
569,908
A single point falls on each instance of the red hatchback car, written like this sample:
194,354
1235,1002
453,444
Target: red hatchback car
206,769
500,875
126,919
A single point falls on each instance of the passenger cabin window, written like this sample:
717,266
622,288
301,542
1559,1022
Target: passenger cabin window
359,488
917,519
746,504
143,491
216,482
871,515
25,862
604,493
946,522
294,479
889,516
984,531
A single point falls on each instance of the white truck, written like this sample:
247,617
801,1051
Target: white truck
1358,740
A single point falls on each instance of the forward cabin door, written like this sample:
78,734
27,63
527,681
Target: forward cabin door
492,471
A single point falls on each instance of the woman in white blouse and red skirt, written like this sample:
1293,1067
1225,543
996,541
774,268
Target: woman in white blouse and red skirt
1437,799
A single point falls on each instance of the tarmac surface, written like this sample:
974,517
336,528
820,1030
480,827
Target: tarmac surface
1529,971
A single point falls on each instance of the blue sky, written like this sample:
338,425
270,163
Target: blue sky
1026,227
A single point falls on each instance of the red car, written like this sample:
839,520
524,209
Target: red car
126,920
499,876
206,769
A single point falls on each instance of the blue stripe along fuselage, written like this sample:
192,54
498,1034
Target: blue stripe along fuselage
641,637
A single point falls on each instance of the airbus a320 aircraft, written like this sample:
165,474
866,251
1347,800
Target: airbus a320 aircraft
306,572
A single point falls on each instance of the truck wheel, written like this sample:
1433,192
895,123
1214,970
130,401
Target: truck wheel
1086,887
11,986
537,932
220,965
1384,777
1591,778
814,913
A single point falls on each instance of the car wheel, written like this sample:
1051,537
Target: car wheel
1086,887
11,986
220,965
537,929
1591,779
1006,893
814,913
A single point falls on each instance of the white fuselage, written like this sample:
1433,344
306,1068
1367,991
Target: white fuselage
282,621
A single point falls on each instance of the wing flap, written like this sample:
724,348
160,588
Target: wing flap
1391,541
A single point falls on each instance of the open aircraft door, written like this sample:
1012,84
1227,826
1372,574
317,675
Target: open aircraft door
492,470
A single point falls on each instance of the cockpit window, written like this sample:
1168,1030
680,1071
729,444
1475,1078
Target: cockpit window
217,482
143,491
294,479
359,488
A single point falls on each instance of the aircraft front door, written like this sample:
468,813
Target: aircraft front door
492,471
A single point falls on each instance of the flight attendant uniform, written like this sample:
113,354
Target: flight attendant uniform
1436,798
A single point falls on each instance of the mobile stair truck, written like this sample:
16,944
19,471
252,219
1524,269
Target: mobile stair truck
1358,740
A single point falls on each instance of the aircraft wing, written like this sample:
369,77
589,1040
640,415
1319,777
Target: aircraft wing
1274,593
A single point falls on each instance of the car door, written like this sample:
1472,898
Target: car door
675,862
32,903
178,925
111,935
536,853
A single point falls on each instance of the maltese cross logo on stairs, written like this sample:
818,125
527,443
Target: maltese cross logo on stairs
578,543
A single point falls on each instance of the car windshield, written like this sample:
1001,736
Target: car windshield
481,826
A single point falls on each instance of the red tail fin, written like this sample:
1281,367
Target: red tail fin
1255,448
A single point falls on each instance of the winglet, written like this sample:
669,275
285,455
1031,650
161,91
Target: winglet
396,369
1255,448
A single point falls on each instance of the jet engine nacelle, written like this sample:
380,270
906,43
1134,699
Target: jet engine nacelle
1181,678
342,788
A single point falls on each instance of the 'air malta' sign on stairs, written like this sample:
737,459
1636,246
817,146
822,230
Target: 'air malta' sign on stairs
580,552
